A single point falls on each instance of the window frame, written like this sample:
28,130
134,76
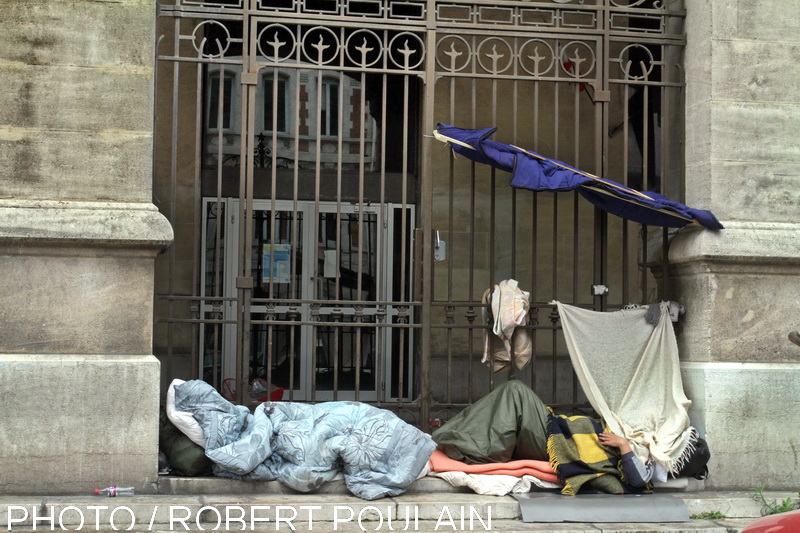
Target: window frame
264,88
325,122
212,83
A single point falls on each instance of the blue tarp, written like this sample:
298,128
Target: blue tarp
530,170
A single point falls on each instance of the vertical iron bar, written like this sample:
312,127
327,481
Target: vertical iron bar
243,317
627,241
492,224
554,236
404,297
222,217
360,253
534,230
338,334
575,211
644,263
472,214
576,139
665,111
173,194
297,228
197,222
602,111
515,137
425,216
383,283
450,225
645,181
273,218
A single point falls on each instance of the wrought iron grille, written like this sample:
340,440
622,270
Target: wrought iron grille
295,162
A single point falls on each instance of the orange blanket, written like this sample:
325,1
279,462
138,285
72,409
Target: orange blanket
440,462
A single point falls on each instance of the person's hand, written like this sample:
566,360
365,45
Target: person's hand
609,439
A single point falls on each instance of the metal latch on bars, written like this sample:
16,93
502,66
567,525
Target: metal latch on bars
599,290
439,249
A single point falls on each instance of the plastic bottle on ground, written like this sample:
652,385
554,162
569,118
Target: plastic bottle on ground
115,491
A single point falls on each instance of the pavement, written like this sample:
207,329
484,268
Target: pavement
430,505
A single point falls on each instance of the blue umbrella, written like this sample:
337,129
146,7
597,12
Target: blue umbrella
530,170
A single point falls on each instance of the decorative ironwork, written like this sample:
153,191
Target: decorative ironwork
212,4
216,310
575,16
206,47
539,53
320,45
626,50
654,4
499,60
553,316
403,314
326,46
470,315
518,58
368,45
449,314
262,156
410,10
194,309
276,43
645,63
572,60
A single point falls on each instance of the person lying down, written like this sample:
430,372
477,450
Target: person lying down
512,423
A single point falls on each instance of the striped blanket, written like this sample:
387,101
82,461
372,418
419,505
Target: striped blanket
579,459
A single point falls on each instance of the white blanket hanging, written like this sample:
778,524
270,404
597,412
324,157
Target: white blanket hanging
509,339
630,372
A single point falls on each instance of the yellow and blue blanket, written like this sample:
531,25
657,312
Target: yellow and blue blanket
580,460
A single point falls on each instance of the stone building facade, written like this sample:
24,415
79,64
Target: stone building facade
79,235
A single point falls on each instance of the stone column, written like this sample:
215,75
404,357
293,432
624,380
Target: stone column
79,386
740,285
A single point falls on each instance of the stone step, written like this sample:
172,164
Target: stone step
735,504
445,511
504,526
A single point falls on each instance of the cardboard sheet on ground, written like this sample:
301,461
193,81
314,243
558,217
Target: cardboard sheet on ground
634,508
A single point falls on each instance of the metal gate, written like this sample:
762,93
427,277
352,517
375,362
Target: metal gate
294,159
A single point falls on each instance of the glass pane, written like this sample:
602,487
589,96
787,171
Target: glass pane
330,108
348,273
347,269
336,356
212,348
214,248
269,103
400,362
213,289
213,100
285,341
277,265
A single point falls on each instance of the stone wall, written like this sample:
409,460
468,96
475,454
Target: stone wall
739,284
78,236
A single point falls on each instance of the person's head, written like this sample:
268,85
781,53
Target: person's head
695,463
